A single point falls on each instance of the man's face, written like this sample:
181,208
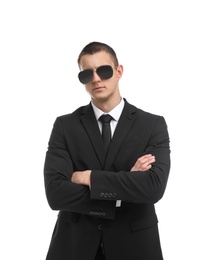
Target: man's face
101,89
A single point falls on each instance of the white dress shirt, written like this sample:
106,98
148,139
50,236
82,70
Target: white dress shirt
115,113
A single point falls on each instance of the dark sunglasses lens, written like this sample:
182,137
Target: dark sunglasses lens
105,72
85,76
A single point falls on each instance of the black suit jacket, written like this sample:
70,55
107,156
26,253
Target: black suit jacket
129,232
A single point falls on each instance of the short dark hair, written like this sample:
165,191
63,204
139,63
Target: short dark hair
94,47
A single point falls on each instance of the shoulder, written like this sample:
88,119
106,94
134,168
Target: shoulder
145,119
76,114
140,112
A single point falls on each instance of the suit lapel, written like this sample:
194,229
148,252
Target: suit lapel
126,121
91,126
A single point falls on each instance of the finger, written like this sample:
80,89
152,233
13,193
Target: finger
145,158
142,162
143,166
146,168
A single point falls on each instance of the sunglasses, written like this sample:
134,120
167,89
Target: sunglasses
104,72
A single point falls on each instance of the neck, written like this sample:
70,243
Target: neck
107,105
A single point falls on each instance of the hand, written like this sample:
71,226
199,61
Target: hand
143,163
81,177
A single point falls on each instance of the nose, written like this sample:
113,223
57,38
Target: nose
95,77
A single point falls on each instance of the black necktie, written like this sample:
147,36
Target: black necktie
106,129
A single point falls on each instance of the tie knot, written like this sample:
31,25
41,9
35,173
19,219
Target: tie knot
105,118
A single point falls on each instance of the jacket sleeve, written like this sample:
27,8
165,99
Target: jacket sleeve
61,193
138,186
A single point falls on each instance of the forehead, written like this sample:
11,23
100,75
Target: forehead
96,60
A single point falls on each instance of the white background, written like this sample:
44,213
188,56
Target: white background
160,45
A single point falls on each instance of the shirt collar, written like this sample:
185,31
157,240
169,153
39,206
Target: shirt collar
115,112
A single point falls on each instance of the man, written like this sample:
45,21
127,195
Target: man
105,193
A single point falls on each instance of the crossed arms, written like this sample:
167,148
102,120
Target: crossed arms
143,163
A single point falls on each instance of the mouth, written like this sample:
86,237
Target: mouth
98,88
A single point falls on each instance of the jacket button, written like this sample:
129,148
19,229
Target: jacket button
99,227
101,195
106,195
110,195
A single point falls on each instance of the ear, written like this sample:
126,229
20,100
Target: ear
119,71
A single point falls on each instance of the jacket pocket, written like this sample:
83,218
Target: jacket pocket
143,223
